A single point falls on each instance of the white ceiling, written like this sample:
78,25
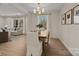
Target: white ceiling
9,9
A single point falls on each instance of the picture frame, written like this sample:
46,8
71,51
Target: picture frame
76,14
63,19
69,17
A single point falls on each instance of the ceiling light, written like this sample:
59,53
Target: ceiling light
38,10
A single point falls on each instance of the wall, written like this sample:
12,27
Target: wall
31,22
1,22
6,21
69,34
9,21
53,24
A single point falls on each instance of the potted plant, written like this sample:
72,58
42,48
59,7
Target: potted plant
39,26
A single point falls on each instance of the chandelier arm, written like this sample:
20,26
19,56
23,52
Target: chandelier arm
39,10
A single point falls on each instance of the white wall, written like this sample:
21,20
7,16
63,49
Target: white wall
31,22
69,34
1,23
6,21
53,24
10,20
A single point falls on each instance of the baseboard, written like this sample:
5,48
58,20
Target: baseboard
69,49
75,51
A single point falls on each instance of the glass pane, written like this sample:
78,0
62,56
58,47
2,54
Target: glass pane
42,19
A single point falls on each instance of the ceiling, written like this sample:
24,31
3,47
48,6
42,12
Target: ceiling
10,9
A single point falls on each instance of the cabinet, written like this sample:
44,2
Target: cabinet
3,37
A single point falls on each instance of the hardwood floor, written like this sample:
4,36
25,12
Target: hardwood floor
56,48
15,47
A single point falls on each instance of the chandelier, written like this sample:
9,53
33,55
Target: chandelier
38,10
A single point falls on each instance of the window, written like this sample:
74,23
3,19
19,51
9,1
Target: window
42,19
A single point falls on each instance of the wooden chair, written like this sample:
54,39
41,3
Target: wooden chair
45,41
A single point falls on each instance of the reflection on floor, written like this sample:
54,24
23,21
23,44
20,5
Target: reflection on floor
15,47
56,48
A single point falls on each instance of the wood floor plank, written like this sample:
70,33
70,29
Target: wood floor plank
56,48
16,47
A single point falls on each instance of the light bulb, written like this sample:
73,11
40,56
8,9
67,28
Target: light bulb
38,8
34,10
39,12
43,10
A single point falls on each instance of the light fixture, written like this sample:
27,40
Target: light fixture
39,10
